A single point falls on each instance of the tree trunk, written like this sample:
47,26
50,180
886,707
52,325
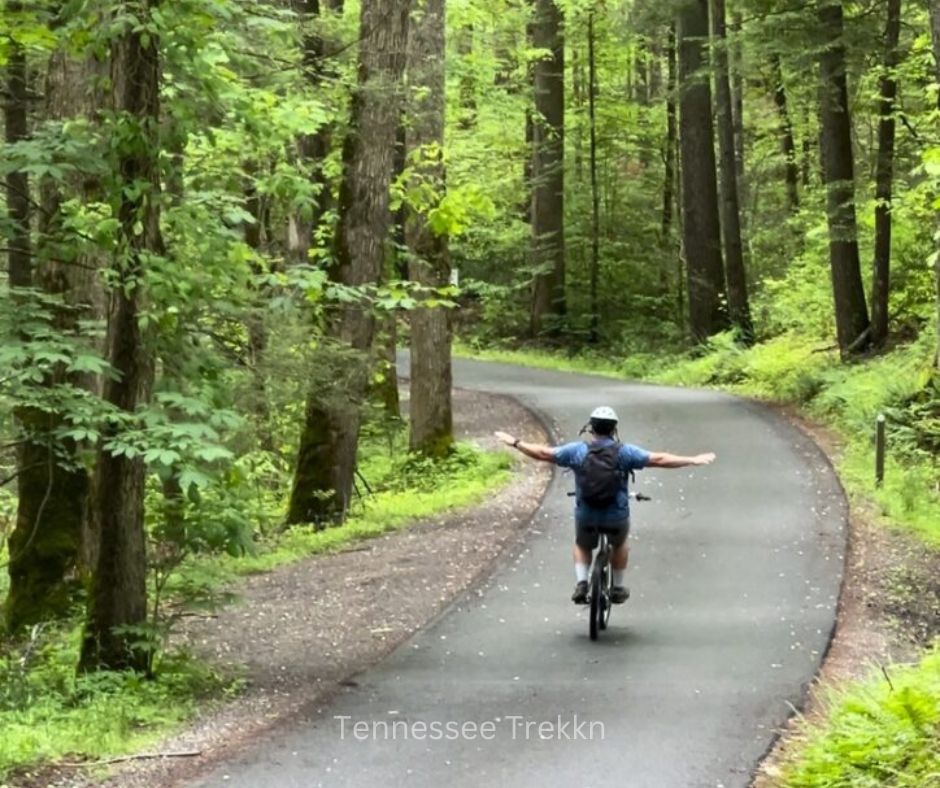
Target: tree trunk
548,171
669,152
595,191
54,539
851,311
737,113
432,430
740,311
118,600
326,462
787,144
884,179
312,148
701,226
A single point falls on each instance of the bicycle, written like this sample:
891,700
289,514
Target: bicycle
601,580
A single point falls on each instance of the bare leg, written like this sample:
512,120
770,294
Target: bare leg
620,557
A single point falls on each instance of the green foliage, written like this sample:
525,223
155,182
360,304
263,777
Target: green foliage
882,733
47,712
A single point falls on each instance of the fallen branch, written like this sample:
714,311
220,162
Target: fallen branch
138,757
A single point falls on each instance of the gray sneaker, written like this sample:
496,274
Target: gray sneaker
619,594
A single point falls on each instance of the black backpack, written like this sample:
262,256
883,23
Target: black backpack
601,477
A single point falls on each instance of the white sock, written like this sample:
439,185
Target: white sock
618,576
581,572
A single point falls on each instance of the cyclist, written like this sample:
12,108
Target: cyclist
615,518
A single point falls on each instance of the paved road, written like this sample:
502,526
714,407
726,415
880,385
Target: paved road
735,575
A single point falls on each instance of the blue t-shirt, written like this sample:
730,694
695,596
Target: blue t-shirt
631,458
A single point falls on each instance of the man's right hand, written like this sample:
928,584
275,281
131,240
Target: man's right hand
505,437
704,459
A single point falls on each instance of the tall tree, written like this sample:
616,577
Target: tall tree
669,147
431,413
884,178
701,225
548,168
595,191
54,540
736,276
118,600
851,311
326,462
787,143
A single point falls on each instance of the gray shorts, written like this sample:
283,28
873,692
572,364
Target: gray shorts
586,533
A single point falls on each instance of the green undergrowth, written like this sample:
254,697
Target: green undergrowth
48,713
880,733
405,489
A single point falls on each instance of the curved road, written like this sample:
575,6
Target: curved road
735,576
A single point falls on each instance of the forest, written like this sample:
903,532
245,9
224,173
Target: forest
222,220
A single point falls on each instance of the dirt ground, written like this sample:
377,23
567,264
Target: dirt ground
303,631
888,611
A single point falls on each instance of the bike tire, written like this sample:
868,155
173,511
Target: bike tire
606,585
595,613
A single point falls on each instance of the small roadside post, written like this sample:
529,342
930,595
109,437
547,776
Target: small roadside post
880,449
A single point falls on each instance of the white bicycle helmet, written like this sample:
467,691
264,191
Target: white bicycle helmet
604,413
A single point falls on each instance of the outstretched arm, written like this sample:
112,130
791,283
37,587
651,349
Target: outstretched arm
662,459
536,451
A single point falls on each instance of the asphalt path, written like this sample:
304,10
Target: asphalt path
735,574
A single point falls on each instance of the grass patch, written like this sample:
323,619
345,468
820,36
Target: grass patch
49,713
876,734
412,489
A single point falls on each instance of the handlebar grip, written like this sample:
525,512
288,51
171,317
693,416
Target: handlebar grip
641,497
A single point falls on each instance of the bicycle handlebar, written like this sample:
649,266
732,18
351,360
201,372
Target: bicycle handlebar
636,496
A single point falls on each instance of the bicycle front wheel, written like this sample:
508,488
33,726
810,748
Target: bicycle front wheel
597,610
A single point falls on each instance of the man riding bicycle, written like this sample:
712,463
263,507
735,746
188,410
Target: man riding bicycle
613,517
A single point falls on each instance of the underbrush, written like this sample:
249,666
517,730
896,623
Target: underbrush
49,713
901,384
880,733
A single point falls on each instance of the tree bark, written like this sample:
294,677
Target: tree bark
737,113
701,226
736,275
54,541
326,462
548,171
118,599
669,152
851,312
884,178
431,413
787,144
595,190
